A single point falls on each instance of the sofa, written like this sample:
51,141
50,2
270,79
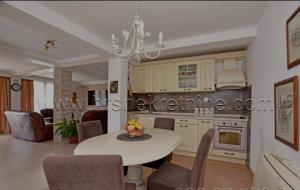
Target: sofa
47,113
96,115
29,126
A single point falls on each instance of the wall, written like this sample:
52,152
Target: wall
82,93
86,88
267,65
186,102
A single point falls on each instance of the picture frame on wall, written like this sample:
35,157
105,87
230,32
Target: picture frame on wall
293,39
286,106
113,86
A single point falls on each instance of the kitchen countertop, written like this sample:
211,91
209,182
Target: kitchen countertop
188,115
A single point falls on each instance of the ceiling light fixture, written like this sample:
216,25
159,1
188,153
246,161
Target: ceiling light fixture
134,41
49,44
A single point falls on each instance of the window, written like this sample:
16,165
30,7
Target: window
43,95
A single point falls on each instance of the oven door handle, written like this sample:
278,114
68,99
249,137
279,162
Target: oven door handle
231,129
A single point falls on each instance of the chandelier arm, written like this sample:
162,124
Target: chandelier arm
152,57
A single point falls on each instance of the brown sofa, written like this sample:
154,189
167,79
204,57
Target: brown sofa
96,115
29,126
47,113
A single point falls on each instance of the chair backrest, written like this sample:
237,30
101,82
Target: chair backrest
198,171
164,123
91,172
93,115
89,129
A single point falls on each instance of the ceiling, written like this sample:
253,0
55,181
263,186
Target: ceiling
82,30
177,19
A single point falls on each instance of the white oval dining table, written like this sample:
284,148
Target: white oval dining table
133,153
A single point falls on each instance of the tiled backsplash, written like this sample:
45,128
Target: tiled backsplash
223,101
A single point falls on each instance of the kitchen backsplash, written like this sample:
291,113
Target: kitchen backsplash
222,101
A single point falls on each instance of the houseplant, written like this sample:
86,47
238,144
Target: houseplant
67,129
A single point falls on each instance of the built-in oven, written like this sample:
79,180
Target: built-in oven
230,135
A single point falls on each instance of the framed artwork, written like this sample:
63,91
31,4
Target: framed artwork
113,86
287,111
293,39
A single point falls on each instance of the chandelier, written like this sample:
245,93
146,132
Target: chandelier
134,41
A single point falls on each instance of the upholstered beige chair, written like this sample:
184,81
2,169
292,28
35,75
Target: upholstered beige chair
171,177
89,129
162,123
91,172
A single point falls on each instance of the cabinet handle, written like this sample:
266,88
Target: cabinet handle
230,154
184,126
184,120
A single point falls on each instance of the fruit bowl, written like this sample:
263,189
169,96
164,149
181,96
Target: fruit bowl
134,128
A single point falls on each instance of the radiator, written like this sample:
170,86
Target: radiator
275,172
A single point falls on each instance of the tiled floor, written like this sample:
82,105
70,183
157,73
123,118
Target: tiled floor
20,166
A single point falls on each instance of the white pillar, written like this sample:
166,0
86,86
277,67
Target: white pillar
117,102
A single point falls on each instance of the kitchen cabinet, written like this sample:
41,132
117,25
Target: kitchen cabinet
203,127
189,134
142,79
207,75
188,76
163,77
147,121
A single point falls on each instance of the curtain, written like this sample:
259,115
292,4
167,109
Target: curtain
4,103
43,95
27,95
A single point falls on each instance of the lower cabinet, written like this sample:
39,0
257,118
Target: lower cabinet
203,127
147,121
191,130
189,134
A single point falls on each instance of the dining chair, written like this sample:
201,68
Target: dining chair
88,172
89,129
171,177
162,123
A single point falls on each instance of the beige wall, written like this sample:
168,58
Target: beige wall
82,93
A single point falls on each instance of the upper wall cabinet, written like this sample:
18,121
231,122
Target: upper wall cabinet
188,76
207,75
163,77
142,79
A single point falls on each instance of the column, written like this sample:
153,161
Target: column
117,102
62,92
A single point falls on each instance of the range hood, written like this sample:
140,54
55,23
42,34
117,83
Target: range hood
231,77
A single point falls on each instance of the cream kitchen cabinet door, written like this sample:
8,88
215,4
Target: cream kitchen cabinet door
188,76
203,127
146,121
207,75
163,77
142,79
189,135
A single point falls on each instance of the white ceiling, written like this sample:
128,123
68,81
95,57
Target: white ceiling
177,19
82,31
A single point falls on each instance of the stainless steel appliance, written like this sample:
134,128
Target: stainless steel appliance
231,133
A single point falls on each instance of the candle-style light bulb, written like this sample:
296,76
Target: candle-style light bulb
160,37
